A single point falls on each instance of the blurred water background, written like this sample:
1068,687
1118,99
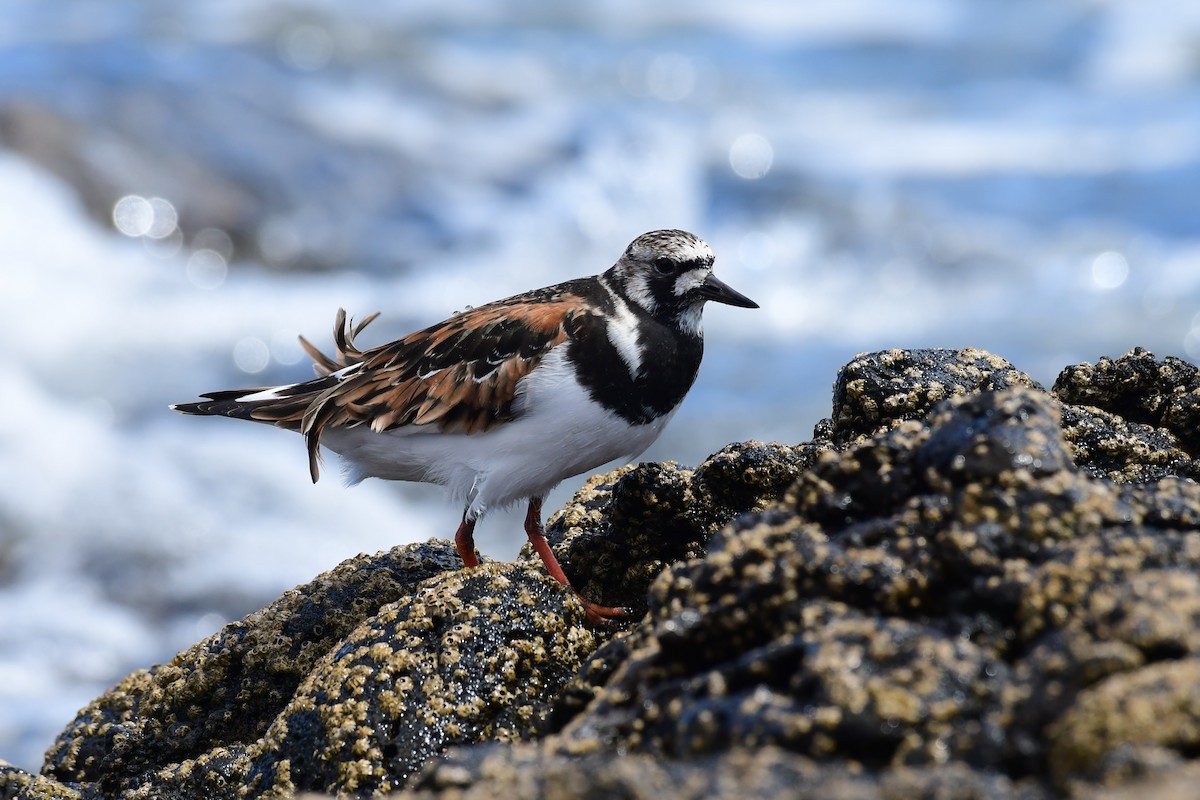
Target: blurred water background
184,187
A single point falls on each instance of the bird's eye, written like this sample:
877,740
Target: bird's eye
665,266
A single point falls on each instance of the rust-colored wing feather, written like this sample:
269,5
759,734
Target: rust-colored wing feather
460,375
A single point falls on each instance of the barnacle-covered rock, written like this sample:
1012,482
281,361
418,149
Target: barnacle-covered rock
963,587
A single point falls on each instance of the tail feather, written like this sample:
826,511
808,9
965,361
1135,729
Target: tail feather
282,406
220,404
290,407
345,352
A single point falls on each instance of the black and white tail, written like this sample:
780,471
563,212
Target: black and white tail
282,406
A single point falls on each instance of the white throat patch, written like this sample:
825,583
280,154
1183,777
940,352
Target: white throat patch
691,320
622,329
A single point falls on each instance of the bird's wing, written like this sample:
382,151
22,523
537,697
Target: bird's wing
460,375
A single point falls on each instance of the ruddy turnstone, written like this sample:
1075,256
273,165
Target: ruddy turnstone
501,402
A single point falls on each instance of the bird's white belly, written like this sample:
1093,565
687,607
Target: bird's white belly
560,432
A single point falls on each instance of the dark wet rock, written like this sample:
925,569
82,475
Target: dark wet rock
1107,446
744,476
351,683
962,587
488,772
1140,389
1133,586
1133,418
953,590
1130,419
1131,722
828,624
17,784
879,390
227,689
835,683
624,527
346,684
1169,778
474,656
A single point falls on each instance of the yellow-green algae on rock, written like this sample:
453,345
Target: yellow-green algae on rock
347,684
956,598
226,690
474,655
16,783
964,587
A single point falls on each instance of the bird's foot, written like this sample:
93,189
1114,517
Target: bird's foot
602,615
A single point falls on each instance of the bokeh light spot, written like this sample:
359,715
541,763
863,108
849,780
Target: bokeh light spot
251,355
671,77
133,215
214,239
208,624
751,156
206,269
164,220
1109,270
151,217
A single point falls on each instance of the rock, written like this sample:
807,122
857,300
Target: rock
486,772
1147,716
1177,782
474,656
17,784
845,619
1140,389
877,391
1133,418
963,587
1107,446
228,689
347,684
351,683
623,527
952,590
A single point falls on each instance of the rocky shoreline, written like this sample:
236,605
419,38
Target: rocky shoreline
964,586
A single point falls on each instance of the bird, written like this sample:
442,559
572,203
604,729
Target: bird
501,402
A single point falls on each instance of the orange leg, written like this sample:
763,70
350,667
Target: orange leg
533,529
465,541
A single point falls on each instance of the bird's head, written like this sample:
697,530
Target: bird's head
668,273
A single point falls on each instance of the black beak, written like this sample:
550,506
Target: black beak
713,289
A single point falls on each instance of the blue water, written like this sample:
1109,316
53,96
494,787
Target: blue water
1017,176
